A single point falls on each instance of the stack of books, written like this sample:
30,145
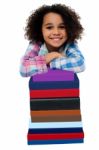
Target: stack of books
55,109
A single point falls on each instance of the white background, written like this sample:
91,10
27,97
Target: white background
14,93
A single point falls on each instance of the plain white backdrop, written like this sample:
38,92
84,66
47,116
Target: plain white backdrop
14,92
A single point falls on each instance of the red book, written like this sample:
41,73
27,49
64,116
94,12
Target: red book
57,136
54,93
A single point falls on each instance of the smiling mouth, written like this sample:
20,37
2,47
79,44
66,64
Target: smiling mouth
56,39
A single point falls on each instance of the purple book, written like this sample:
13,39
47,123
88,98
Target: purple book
54,75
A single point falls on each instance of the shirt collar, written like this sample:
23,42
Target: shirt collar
43,49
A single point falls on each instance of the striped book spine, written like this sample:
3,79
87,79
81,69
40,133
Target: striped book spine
55,109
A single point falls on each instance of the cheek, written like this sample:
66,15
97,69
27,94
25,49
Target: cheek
44,36
44,32
65,34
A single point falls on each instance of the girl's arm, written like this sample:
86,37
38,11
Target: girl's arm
52,55
73,61
31,63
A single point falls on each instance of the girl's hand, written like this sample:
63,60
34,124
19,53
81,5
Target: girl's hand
50,56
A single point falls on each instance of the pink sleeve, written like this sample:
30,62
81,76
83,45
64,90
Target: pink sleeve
31,63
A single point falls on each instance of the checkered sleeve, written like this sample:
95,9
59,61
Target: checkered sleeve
31,63
73,61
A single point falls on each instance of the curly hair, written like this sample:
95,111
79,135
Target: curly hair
33,29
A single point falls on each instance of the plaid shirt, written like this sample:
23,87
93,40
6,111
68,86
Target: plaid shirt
33,61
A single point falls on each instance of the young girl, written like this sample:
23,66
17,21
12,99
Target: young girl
52,32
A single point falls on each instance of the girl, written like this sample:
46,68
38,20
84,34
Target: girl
52,32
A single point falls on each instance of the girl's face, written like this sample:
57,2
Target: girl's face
54,31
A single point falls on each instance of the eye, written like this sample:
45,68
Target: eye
62,27
49,27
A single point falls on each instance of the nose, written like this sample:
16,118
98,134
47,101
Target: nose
55,31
